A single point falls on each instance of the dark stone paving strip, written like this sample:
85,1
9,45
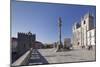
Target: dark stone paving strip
36,58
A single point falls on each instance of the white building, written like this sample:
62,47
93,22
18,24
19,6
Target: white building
84,32
67,42
91,40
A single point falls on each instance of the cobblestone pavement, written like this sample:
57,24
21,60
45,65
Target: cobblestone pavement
75,55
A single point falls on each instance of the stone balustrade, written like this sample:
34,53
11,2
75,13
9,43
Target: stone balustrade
23,60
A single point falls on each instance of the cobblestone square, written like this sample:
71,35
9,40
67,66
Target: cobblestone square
50,56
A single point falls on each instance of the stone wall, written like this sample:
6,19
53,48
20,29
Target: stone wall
25,42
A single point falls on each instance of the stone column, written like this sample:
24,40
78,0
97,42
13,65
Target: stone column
59,45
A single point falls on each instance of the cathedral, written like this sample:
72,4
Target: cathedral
84,33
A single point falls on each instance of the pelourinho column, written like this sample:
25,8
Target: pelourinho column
59,32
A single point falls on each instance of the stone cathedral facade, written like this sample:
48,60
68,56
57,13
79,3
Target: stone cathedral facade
84,32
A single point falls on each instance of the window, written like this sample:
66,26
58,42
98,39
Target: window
78,43
84,21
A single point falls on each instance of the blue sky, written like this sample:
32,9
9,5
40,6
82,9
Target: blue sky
42,19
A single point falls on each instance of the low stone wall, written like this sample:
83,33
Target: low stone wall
23,59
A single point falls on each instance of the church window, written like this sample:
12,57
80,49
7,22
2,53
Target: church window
84,21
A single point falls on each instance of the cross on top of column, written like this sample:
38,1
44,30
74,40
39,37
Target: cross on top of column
60,22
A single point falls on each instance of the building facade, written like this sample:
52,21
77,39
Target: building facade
67,43
38,45
14,45
91,37
84,32
25,42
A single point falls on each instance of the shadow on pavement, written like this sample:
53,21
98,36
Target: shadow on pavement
36,58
